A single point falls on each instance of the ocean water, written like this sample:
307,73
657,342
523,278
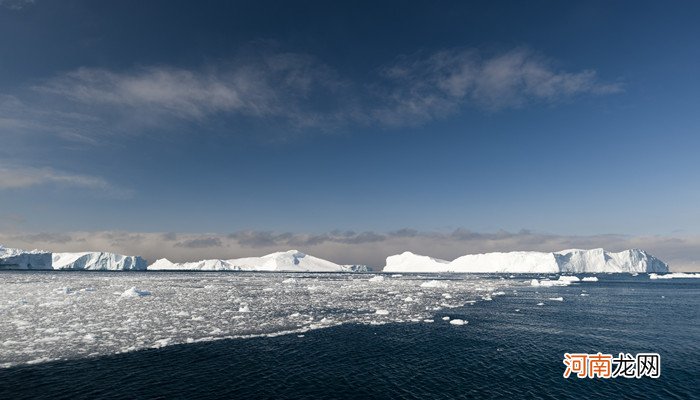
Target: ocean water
339,345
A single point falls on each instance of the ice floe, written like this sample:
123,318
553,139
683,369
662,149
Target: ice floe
57,316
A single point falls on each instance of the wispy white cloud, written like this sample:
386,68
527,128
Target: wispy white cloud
439,84
681,252
14,177
16,4
270,86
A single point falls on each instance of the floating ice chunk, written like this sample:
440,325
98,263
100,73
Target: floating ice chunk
562,281
498,294
408,299
134,292
457,321
540,304
445,318
590,279
675,275
161,343
556,299
289,280
434,284
585,294
446,296
182,314
382,312
428,320
244,308
377,278
567,278
396,276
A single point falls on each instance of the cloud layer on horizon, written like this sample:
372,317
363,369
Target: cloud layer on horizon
348,247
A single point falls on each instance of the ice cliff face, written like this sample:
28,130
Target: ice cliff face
23,259
566,261
291,260
98,261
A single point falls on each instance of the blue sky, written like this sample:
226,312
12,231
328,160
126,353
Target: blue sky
577,119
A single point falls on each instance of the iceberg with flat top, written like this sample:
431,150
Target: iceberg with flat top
573,261
96,260
290,261
24,259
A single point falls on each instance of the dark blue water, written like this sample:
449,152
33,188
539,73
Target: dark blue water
501,353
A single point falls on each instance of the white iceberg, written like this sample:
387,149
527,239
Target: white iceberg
408,262
98,261
289,261
567,261
24,259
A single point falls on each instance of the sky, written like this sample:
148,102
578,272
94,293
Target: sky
350,130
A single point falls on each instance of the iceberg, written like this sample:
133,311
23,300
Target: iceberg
409,262
98,261
357,268
24,259
289,261
573,261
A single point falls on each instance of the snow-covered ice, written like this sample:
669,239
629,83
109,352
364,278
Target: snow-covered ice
134,292
291,260
434,284
68,315
675,275
24,259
